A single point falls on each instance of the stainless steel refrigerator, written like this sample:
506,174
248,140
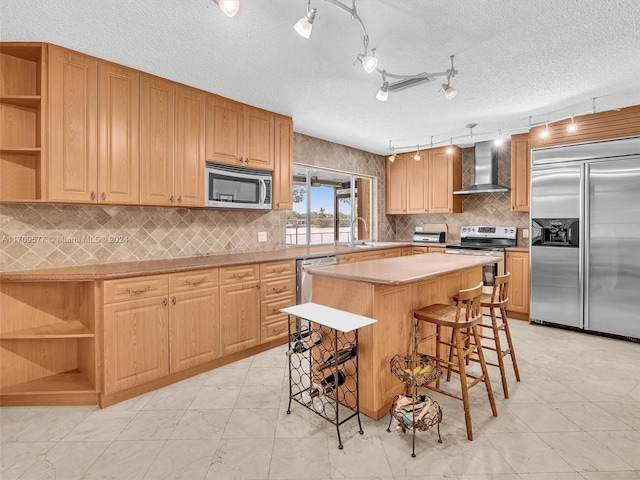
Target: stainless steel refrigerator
585,236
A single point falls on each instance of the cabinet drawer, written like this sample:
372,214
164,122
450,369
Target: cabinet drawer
187,281
378,254
278,288
135,287
348,258
270,310
419,250
274,330
277,269
436,249
239,274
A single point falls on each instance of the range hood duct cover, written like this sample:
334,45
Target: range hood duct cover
485,168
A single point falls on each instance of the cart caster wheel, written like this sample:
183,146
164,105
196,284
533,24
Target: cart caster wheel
388,430
413,455
439,440
340,447
361,432
288,412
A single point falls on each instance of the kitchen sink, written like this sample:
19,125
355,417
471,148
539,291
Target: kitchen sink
374,244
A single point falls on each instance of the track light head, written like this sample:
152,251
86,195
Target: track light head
305,24
448,91
392,157
383,93
545,133
369,62
417,156
229,7
572,127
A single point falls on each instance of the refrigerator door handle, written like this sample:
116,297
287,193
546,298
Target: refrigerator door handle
585,226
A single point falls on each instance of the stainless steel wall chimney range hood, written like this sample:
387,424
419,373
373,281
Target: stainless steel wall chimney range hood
485,171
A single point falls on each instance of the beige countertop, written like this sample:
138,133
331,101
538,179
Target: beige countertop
110,271
402,270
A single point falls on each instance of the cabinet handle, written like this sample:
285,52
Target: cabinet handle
280,290
240,275
174,300
172,199
278,205
104,196
383,254
195,284
246,160
241,159
279,270
93,195
276,332
180,199
274,310
164,302
258,285
138,292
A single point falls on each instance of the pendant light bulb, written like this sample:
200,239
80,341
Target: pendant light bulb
417,156
545,133
369,62
572,127
383,93
305,24
498,142
229,7
448,91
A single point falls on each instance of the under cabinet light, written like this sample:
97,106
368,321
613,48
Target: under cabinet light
545,133
572,127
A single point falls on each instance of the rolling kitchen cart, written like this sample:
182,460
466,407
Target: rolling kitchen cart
413,411
323,361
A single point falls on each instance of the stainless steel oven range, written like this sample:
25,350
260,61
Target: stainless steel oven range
488,241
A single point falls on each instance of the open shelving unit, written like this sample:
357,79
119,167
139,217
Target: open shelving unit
48,343
22,110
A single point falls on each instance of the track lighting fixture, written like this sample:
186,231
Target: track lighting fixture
229,7
383,93
368,58
572,127
450,147
305,24
392,157
417,156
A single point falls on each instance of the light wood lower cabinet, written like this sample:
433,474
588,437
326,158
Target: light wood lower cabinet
135,343
380,254
239,316
518,264
277,290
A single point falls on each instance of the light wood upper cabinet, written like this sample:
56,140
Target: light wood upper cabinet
157,140
520,172
190,147
73,151
119,134
518,264
239,134
282,196
396,185
258,138
224,131
426,185
445,176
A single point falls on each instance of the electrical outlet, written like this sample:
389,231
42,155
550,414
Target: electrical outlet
525,233
418,228
262,236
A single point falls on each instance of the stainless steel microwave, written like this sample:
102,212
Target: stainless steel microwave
236,187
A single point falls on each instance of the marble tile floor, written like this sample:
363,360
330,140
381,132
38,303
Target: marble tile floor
574,416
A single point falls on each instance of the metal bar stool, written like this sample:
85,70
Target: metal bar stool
497,300
463,319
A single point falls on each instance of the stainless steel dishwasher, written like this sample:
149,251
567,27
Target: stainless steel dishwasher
303,290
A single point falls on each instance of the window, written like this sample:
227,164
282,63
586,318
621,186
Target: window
324,204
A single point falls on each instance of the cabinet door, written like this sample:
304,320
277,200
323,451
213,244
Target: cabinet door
282,196
258,138
73,153
520,172
239,317
157,140
518,264
416,174
224,130
135,343
445,176
396,186
193,328
119,133
190,157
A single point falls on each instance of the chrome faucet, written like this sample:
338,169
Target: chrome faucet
353,222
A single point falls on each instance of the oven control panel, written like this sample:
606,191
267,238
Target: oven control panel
483,231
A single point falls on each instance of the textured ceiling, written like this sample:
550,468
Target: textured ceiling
544,59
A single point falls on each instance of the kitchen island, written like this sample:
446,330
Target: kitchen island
389,290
